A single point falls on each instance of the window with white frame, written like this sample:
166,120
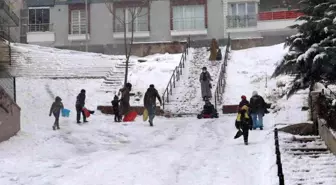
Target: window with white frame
39,19
189,17
78,22
242,15
139,14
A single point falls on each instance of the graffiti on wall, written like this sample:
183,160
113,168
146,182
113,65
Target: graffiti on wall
5,102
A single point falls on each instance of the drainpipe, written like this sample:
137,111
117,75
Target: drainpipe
87,26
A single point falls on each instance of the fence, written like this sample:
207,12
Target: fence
278,158
265,16
221,80
175,76
8,83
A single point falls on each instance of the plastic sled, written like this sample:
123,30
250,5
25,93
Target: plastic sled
130,116
145,115
206,116
65,112
86,112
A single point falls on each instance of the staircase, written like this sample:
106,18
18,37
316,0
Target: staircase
114,79
307,160
5,53
186,98
45,62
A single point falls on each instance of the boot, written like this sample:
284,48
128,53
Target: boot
246,143
150,123
53,127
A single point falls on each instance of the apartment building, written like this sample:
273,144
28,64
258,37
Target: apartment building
62,23
9,19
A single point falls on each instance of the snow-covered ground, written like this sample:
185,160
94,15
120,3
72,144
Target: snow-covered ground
174,151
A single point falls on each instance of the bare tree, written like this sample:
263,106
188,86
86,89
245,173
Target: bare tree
134,11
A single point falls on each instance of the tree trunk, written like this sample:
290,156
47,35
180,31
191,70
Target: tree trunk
126,50
128,55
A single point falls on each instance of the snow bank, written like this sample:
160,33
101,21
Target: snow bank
250,70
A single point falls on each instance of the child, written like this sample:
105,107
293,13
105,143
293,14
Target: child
115,106
208,111
56,108
243,121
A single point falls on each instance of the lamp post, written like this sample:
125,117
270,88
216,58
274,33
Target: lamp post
87,26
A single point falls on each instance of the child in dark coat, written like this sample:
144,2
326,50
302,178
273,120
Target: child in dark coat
115,106
55,109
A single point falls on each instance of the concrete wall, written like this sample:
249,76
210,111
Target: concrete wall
327,136
9,116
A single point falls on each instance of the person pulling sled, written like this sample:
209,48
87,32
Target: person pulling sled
208,111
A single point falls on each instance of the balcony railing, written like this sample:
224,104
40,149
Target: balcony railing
265,16
40,27
244,21
4,6
195,23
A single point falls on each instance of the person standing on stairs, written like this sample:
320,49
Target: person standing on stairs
150,102
258,109
80,103
205,79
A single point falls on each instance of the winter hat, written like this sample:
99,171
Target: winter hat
83,91
254,93
151,85
243,97
204,68
116,97
58,98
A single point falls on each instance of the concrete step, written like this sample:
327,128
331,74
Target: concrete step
113,82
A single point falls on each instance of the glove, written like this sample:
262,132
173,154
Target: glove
49,114
250,127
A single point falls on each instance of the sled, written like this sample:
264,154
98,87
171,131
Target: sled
130,116
145,115
86,112
207,116
65,112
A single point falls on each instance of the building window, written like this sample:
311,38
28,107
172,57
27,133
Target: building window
39,19
189,17
78,22
140,15
242,15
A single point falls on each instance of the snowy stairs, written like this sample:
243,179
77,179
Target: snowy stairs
186,98
114,79
307,160
37,65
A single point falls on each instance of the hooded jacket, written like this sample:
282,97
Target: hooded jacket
57,106
80,100
150,97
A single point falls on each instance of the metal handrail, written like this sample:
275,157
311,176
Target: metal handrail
176,76
221,80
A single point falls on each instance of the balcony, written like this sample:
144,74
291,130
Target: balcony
279,15
8,14
264,21
188,26
39,33
241,23
279,20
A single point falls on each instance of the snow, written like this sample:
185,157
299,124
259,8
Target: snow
175,151
243,77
